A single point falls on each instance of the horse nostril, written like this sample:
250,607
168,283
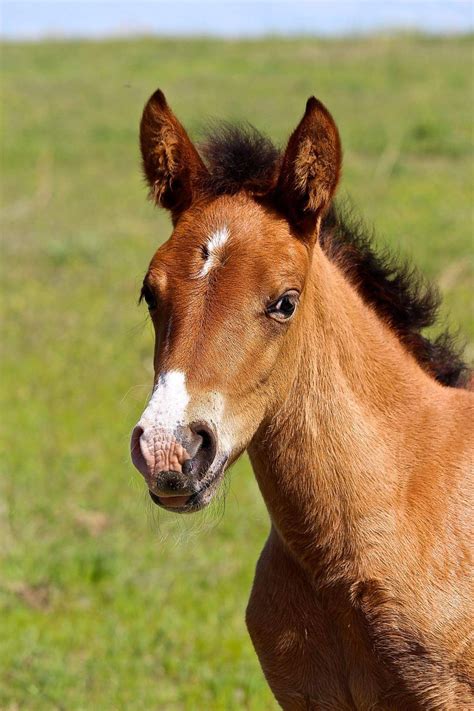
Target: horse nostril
140,458
206,451
207,439
137,433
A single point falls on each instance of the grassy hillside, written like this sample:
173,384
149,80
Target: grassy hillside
105,603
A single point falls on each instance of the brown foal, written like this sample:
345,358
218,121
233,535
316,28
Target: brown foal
278,329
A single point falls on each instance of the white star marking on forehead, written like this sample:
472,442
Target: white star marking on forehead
215,243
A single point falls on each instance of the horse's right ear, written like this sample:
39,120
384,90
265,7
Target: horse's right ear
173,168
310,170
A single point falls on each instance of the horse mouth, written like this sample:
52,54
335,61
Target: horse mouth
170,502
191,503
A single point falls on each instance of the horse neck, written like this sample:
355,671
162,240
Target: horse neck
334,457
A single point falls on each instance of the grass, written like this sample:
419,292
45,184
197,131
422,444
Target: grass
105,604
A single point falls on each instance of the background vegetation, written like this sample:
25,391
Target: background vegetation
104,603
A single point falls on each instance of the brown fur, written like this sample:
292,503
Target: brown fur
362,597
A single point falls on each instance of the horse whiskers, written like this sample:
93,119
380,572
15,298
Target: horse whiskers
134,387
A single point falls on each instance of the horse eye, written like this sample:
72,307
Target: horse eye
285,307
149,297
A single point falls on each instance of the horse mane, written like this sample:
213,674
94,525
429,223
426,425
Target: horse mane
398,292
239,157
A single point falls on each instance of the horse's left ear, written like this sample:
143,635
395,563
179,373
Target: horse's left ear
310,169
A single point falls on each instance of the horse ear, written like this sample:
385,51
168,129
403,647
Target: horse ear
310,169
172,166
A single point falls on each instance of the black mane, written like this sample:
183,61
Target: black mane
241,158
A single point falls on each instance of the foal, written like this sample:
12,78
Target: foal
279,330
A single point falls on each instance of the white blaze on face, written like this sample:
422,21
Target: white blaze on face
167,406
214,245
170,405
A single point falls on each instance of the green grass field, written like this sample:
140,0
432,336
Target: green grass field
106,603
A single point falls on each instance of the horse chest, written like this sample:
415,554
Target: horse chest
310,659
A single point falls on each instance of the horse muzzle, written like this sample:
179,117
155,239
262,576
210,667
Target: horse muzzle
177,466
